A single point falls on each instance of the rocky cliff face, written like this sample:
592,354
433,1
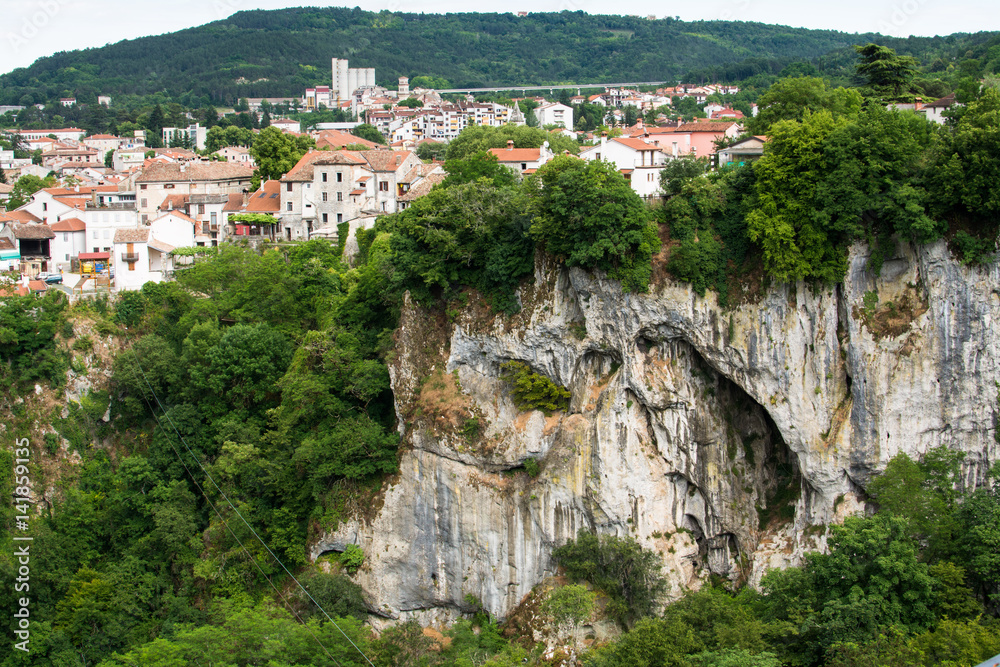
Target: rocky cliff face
726,440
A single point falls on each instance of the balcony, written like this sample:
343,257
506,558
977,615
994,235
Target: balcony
130,257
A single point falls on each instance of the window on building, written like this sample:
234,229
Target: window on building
214,218
340,177
288,206
324,176
201,209
325,218
142,204
383,186
288,187
94,235
67,257
340,196
45,206
340,217
65,237
142,187
145,218
324,196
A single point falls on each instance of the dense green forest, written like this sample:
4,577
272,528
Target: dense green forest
279,53
255,386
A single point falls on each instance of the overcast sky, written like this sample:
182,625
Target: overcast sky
30,29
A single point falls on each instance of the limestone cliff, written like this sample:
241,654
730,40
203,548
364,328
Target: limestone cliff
725,439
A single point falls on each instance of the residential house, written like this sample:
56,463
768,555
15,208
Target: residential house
193,135
287,125
934,111
699,138
418,182
337,139
744,151
70,240
10,256
555,114
210,213
639,160
237,155
126,158
34,245
104,220
5,191
267,201
522,160
102,143
159,180
143,254
329,187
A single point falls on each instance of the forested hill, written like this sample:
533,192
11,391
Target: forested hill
278,53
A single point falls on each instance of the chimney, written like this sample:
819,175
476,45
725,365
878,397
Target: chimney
246,196
604,138
510,144
183,167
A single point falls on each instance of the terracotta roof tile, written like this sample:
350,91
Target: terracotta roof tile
32,230
160,172
69,225
717,127
18,216
267,199
386,160
516,154
7,244
423,187
156,244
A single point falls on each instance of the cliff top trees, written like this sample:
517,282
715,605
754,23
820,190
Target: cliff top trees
587,214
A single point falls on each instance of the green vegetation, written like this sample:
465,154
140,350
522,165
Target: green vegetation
905,586
28,352
587,215
247,55
532,391
620,568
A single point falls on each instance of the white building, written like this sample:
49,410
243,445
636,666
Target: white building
69,242
522,160
195,135
638,161
143,254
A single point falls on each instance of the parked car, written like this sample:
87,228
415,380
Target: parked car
50,278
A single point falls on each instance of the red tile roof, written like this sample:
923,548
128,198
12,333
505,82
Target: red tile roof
91,256
267,199
516,154
69,225
717,127
159,172
18,216
635,144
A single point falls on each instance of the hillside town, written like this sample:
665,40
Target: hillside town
119,214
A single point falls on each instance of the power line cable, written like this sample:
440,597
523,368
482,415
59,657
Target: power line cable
240,515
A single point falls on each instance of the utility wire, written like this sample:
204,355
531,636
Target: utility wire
245,522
